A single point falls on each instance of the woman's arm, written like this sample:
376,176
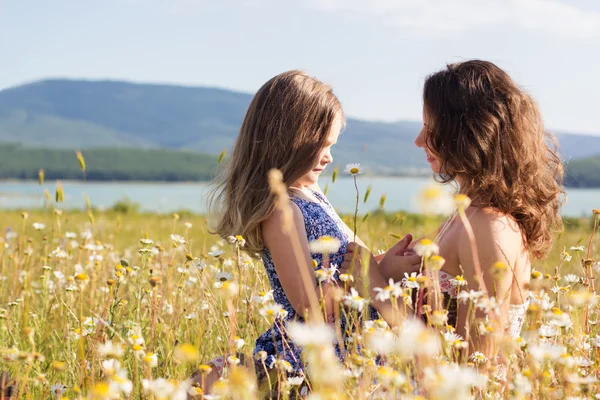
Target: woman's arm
495,240
290,251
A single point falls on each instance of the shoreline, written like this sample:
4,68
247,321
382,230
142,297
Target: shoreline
152,182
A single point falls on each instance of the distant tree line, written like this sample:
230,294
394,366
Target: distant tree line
127,164
106,164
583,172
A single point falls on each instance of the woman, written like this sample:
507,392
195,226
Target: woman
483,132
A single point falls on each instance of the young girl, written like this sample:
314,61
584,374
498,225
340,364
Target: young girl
291,125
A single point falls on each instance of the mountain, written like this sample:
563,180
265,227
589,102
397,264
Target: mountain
77,114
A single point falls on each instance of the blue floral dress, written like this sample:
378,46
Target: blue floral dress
320,219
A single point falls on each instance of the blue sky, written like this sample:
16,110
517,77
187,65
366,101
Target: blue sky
376,53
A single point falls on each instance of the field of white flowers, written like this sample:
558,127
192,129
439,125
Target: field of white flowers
105,305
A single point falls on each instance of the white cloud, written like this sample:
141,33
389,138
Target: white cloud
441,16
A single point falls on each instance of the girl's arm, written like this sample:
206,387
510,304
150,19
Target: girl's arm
291,254
496,239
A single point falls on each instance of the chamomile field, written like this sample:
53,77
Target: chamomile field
109,305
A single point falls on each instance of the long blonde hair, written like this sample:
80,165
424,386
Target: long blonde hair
286,126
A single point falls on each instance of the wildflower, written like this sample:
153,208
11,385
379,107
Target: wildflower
411,281
488,304
438,317
110,350
559,318
135,337
311,334
383,342
415,339
237,240
582,298
223,276
433,199
426,248
454,340
452,381
541,299
346,278
103,390
458,281
390,376
545,351
353,169
160,388
571,278
392,290
462,201
281,365
264,297
577,248
151,360
325,245
295,381
238,342
59,254
436,262
478,358
177,239
38,226
146,242
227,288
560,289
327,274
58,389
82,280
354,300
548,331
58,365
273,310
186,353
565,256
216,253
471,295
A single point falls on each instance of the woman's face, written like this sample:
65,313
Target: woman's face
420,141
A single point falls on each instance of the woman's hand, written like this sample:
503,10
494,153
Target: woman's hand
400,259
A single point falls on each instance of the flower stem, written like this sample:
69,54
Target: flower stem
355,208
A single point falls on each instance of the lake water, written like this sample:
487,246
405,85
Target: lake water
168,197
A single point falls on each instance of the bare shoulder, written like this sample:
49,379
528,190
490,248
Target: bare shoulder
494,230
494,222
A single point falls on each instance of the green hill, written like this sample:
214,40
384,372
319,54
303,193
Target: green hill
584,172
75,114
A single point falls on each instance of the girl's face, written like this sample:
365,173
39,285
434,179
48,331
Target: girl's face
420,141
324,158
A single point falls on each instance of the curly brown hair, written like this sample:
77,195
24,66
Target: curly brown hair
489,136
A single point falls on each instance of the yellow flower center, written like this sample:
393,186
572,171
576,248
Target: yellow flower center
354,170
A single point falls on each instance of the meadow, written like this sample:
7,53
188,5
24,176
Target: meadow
118,304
